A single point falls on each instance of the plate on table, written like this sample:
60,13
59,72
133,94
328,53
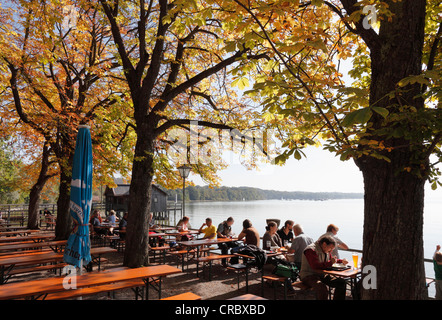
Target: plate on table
339,267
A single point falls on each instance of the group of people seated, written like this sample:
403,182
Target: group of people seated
308,255
111,220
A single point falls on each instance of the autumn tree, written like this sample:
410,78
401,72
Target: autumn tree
173,57
388,120
55,55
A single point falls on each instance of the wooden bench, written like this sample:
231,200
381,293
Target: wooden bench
46,267
184,296
298,286
43,287
238,268
162,250
209,260
136,285
275,280
113,240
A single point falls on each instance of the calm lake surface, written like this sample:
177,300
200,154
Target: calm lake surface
314,216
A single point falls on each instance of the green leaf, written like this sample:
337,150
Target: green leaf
358,116
382,111
363,115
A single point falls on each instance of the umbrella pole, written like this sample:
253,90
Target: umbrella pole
81,272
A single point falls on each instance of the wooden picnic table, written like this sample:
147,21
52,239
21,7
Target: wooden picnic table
54,245
16,232
182,233
350,275
205,242
162,228
43,287
246,266
32,237
12,228
7,263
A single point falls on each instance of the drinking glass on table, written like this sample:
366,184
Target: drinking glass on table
268,244
355,260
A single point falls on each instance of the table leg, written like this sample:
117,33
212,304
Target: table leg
4,273
247,280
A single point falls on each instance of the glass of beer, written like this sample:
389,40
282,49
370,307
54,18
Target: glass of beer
355,260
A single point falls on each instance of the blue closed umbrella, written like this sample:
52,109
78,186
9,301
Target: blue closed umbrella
77,250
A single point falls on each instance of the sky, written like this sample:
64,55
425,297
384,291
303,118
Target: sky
319,171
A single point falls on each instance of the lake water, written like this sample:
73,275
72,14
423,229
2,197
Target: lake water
314,216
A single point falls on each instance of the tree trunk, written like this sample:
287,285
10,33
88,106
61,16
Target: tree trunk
34,201
34,195
394,191
393,231
63,226
137,234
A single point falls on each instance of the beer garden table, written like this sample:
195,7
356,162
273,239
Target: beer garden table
203,242
350,275
7,263
54,245
43,287
33,237
16,232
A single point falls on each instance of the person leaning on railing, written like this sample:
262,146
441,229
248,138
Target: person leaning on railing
437,262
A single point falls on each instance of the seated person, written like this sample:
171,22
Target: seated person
317,257
208,229
182,226
285,233
225,231
249,234
152,224
271,238
111,219
299,243
157,240
332,230
96,223
123,226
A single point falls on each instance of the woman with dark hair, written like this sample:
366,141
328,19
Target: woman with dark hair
271,238
250,234
317,257
286,233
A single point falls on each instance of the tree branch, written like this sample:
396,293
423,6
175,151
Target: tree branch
370,37
111,15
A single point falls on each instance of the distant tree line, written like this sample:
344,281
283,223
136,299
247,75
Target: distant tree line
205,193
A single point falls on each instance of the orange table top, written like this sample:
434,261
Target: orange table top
10,233
50,285
18,246
34,237
43,257
348,273
192,243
